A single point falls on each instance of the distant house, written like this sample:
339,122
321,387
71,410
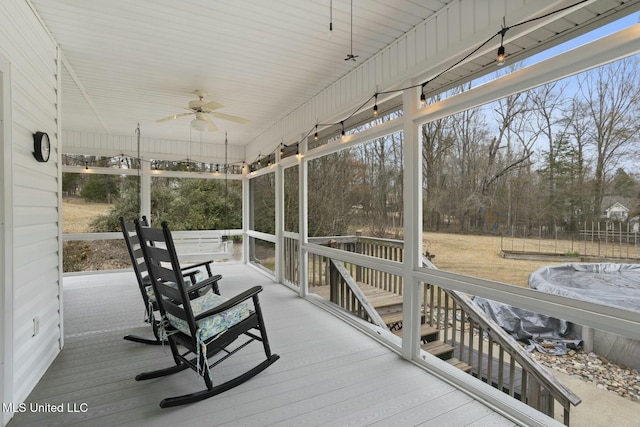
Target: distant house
617,208
616,212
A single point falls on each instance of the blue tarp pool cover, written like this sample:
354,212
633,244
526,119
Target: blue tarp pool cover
616,285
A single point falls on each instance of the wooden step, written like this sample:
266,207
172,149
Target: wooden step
390,318
439,349
395,317
459,364
427,333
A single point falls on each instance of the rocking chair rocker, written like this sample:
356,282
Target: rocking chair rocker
204,326
191,273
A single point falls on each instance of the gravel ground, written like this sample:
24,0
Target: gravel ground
597,370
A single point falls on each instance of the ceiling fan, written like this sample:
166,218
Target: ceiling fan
204,110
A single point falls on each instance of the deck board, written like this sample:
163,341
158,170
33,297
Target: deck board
329,373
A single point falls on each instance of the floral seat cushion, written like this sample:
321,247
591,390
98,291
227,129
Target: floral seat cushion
212,325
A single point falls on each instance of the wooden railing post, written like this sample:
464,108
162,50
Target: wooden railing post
358,249
334,277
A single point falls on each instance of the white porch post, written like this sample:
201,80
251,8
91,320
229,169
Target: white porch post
303,218
412,226
279,214
246,201
145,189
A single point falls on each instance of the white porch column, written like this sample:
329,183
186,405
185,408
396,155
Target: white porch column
246,205
412,226
279,214
145,189
303,218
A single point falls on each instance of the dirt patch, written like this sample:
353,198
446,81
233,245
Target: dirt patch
94,255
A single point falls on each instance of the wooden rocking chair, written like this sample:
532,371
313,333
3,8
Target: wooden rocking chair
192,273
204,326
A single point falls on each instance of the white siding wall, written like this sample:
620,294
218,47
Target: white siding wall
33,205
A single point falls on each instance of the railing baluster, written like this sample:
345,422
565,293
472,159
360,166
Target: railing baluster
471,341
490,361
480,349
462,335
439,312
431,304
446,317
523,389
512,374
454,327
501,369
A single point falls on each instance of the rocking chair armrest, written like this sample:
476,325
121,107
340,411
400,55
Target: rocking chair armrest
206,264
249,293
213,280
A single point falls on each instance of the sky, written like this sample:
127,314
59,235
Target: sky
611,28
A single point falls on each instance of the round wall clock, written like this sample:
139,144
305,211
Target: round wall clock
41,146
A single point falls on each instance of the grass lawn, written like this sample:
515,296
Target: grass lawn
478,256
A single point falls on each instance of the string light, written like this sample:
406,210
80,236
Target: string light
500,61
330,18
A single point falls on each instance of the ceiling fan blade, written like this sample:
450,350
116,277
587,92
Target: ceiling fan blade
212,126
175,116
211,105
231,118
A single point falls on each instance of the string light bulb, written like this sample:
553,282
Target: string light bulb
375,106
500,58
315,136
342,133
501,55
423,99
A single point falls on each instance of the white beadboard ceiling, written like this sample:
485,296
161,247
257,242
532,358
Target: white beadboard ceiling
136,61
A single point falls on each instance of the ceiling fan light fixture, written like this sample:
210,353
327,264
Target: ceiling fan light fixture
199,125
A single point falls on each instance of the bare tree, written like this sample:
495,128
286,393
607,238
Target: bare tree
612,97
437,142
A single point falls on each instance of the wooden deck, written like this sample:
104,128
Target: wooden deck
329,373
